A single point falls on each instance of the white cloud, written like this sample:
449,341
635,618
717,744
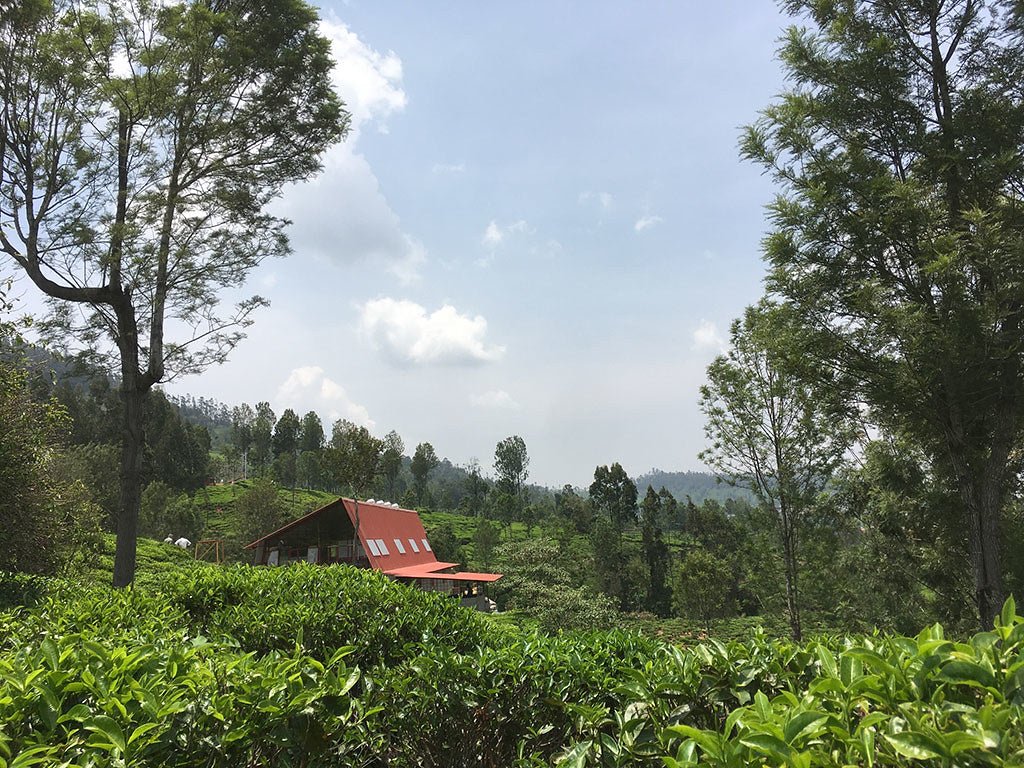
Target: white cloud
495,398
708,337
308,388
449,168
369,82
646,222
493,235
407,334
342,215
604,199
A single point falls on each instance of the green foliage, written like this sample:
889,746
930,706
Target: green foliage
613,494
260,510
512,467
538,584
898,234
323,666
701,587
424,459
44,515
164,512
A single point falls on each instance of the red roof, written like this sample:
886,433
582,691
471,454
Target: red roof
399,529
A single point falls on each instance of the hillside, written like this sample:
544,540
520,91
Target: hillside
699,486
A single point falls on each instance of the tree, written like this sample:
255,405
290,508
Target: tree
391,461
424,459
700,587
242,419
614,494
476,488
286,434
140,145
511,465
570,505
655,553
899,234
771,432
309,469
354,456
485,539
538,584
311,434
260,510
263,437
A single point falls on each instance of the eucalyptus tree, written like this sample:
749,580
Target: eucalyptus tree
424,459
140,143
771,432
391,461
512,468
614,494
899,229
354,456
311,433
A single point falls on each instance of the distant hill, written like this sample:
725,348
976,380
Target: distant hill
697,485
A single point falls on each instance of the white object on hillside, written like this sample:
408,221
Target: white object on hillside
183,543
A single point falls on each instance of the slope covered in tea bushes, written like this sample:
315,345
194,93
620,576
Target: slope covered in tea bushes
325,666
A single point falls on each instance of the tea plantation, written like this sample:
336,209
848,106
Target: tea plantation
331,666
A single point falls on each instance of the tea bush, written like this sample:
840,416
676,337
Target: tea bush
307,666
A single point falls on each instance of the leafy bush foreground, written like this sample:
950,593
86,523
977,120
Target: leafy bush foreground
308,666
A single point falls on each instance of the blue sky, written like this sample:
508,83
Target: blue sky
540,225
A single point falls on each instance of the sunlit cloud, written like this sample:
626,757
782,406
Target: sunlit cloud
707,337
646,222
407,334
309,389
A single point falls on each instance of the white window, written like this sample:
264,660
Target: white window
399,547
414,545
382,546
373,547
426,545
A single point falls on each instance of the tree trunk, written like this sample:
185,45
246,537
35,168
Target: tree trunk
132,444
789,561
983,503
133,392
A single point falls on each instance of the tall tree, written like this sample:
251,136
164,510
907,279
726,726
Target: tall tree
512,467
476,488
424,459
139,145
613,494
655,553
263,436
311,436
286,433
770,432
899,230
242,419
391,461
354,456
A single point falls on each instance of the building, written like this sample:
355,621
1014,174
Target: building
371,534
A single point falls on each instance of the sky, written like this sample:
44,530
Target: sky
539,225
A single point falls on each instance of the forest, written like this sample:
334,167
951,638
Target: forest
838,591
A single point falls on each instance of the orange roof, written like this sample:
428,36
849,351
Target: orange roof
416,570
427,571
